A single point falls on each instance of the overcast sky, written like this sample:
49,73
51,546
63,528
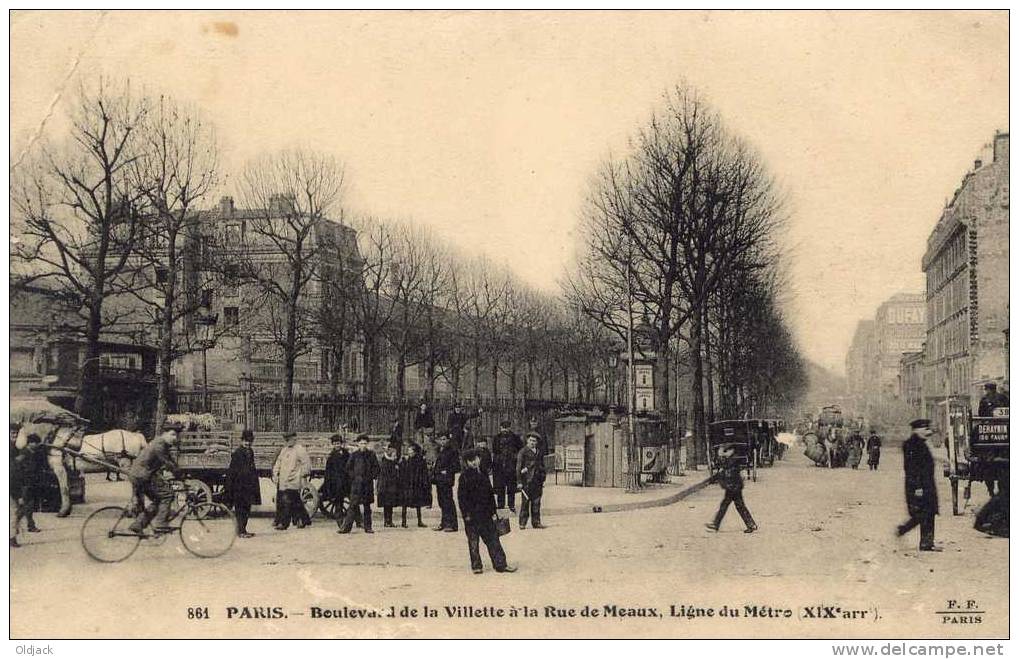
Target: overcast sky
488,126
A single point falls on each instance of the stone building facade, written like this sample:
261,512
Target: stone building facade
966,266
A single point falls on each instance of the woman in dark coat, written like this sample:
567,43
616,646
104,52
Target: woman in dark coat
389,484
415,483
241,487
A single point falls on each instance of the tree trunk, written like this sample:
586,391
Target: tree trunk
513,380
709,373
697,391
85,400
164,356
401,376
475,392
495,379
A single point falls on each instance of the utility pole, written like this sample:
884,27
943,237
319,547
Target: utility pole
631,378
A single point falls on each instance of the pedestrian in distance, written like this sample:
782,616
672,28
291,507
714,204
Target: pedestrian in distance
388,495
873,450
921,491
457,423
531,482
396,435
14,483
415,485
291,472
477,506
240,487
505,448
444,471
362,470
730,477
336,484
424,421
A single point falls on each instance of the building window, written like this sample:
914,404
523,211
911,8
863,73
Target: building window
230,316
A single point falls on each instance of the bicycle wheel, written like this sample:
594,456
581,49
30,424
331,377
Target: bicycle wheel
106,537
208,530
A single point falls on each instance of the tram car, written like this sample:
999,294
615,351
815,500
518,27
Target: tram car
739,435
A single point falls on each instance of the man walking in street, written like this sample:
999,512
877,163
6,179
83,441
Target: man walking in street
730,477
873,450
531,481
921,492
505,449
447,465
290,472
362,470
477,506
241,484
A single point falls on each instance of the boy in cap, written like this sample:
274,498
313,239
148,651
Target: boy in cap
921,491
477,505
362,470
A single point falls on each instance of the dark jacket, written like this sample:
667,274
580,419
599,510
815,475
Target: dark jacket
456,423
15,469
337,480
389,482
873,444
505,448
362,468
241,483
415,485
729,475
918,464
530,471
475,496
486,460
447,465
424,419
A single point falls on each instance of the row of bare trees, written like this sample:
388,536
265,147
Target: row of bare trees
683,231
114,219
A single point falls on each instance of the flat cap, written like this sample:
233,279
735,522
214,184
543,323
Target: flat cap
920,423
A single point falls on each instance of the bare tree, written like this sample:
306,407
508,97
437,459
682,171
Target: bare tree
294,193
77,212
174,172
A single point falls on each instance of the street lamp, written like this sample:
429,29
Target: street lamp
206,324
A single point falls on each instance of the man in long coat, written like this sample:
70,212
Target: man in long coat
241,487
363,469
873,451
336,484
505,447
456,424
921,492
291,472
444,471
531,481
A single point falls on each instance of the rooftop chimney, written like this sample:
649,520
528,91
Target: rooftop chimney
226,206
1000,146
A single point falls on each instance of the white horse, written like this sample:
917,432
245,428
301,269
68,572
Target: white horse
119,447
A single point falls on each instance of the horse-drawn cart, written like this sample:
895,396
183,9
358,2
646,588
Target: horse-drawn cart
737,435
203,458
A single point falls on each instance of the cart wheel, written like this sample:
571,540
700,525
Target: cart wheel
328,507
310,498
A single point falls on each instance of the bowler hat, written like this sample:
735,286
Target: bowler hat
335,439
990,386
920,423
247,436
288,434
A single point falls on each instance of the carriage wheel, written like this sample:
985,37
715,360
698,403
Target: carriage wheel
311,499
106,537
328,507
200,491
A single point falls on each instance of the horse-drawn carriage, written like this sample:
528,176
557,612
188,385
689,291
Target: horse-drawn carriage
64,484
741,437
203,458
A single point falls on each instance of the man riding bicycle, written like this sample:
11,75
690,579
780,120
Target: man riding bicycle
147,481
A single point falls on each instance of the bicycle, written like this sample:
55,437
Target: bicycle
206,529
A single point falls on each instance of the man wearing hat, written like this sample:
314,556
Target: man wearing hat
290,472
241,484
336,485
444,471
531,482
456,425
729,476
362,470
921,493
991,400
146,481
505,447
477,506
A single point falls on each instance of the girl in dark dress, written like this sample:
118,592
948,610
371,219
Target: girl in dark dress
415,484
